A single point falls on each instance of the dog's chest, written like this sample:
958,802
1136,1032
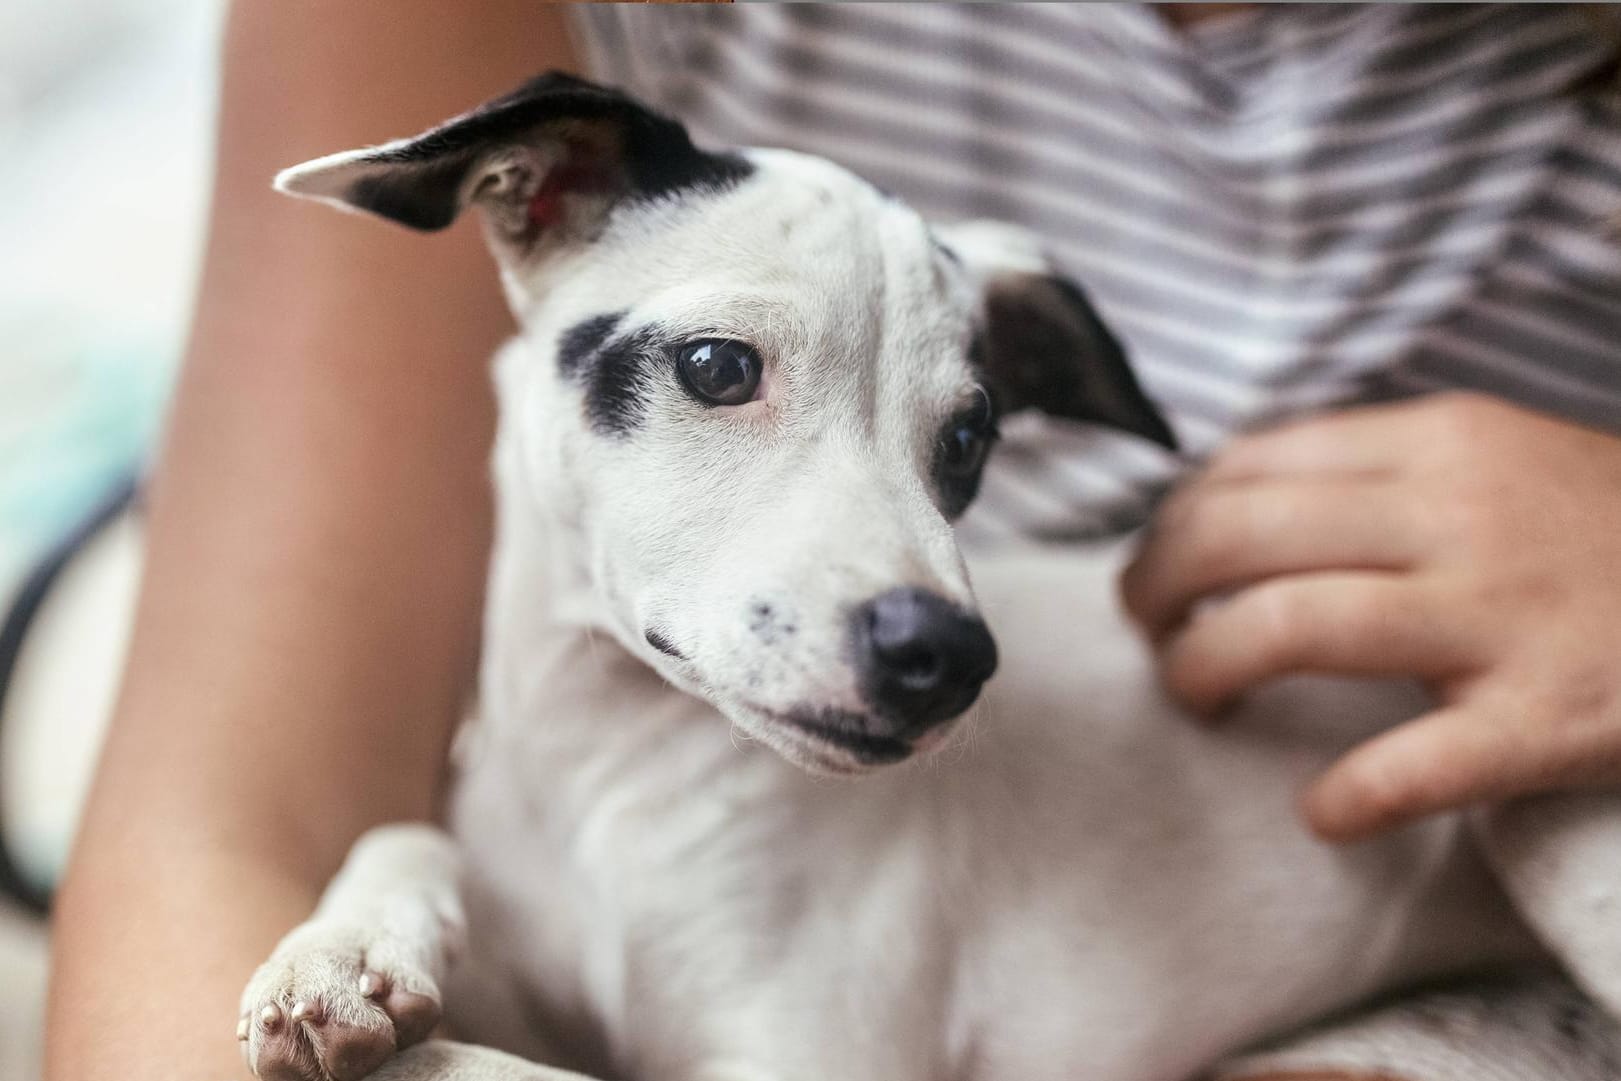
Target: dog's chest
704,908
1083,882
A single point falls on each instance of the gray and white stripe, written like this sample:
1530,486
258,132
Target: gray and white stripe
1297,206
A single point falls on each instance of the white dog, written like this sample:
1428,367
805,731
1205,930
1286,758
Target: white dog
749,395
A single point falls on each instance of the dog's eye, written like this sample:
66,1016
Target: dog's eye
967,439
720,372
963,449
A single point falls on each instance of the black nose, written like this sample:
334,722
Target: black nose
920,659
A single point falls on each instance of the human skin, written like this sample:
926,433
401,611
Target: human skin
317,537
1456,539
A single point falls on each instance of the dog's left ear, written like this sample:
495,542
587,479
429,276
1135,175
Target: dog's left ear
548,159
1042,345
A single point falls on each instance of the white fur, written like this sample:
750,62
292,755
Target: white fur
1079,882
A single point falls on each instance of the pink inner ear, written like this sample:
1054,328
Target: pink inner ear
575,176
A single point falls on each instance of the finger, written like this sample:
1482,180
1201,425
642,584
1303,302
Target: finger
1353,623
1213,537
1367,439
1316,1075
1450,758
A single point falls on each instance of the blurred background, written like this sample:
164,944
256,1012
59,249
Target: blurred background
106,110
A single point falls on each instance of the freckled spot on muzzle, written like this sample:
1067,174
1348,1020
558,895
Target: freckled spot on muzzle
769,623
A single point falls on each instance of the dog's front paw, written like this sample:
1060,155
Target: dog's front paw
334,1005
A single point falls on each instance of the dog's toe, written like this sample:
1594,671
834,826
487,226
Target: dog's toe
278,1049
333,1011
328,1038
413,1012
349,1053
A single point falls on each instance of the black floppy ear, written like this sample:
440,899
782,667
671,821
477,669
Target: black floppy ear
1041,344
1045,348
553,154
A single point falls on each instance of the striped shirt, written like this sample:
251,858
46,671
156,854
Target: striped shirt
1283,209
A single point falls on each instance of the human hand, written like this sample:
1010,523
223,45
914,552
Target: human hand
1320,1075
1457,539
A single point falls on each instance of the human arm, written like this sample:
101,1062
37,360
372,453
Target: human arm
1458,539
316,540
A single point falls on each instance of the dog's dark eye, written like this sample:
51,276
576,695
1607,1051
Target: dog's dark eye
963,449
967,439
960,454
720,372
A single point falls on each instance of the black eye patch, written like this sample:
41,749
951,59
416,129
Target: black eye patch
583,339
614,371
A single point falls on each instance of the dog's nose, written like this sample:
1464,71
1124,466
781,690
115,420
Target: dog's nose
921,660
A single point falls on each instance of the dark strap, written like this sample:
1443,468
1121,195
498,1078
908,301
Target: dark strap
30,598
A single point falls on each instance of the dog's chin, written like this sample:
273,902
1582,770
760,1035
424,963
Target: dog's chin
824,742
820,741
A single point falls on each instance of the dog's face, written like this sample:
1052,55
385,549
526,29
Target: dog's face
755,393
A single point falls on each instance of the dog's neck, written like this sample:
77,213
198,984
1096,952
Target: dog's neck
539,581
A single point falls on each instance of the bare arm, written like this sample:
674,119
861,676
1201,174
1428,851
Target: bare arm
317,543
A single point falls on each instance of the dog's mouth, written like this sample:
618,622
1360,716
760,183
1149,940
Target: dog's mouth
831,741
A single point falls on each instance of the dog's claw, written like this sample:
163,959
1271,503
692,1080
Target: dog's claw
242,1029
371,985
270,1018
305,1010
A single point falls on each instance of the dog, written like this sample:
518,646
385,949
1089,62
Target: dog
743,801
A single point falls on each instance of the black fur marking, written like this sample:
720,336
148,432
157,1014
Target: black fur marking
613,371
658,158
616,369
1045,348
615,381
583,339
663,645
425,198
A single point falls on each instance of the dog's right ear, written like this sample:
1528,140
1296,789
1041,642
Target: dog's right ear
1042,345
549,158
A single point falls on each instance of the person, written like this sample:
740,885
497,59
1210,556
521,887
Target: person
1278,210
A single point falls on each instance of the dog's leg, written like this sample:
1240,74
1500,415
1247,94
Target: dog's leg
1559,858
360,979
1532,1027
440,1060
1320,1075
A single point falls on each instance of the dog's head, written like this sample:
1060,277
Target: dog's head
756,391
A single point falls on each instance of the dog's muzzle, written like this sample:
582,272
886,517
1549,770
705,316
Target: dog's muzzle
920,660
